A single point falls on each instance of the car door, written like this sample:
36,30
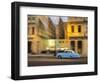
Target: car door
71,55
67,54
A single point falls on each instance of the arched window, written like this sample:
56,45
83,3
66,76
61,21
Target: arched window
72,28
79,28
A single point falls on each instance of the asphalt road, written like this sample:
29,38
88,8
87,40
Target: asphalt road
46,60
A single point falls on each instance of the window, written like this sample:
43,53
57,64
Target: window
29,18
33,31
33,18
61,41
79,28
72,28
68,51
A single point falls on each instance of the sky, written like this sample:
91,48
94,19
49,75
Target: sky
55,19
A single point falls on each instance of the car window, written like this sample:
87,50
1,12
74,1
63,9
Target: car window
68,52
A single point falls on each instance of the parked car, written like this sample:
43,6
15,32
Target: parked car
67,54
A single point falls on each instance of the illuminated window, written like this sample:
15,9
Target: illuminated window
79,28
72,28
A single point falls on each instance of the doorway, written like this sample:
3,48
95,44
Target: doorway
73,45
80,47
29,47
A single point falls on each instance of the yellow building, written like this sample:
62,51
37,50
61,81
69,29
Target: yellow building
76,34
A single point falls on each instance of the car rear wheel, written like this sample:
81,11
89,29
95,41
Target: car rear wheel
59,57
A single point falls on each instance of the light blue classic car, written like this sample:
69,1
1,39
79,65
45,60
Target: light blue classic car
67,54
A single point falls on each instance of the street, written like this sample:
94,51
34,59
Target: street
49,59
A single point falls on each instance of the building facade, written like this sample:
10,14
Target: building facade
76,35
44,35
32,34
41,32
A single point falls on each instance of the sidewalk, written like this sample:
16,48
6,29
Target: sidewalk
42,55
